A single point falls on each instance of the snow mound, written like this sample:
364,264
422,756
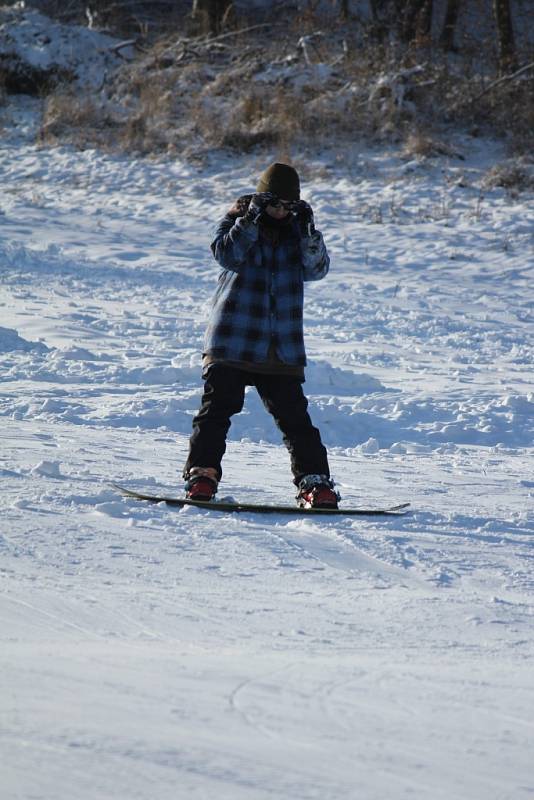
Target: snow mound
47,469
73,354
10,340
36,51
370,447
323,378
157,375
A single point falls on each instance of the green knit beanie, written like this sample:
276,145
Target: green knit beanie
282,180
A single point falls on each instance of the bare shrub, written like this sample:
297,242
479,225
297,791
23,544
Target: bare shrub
256,119
512,176
146,129
422,145
509,112
67,116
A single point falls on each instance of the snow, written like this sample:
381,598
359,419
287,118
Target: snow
149,652
33,39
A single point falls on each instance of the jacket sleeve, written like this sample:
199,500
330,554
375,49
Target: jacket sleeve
315,258
233,239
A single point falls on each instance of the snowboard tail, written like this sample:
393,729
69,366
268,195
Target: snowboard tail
260,508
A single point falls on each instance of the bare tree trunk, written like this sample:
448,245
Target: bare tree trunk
415,18
505,36
213,12
344,9
446,39
384,14
425,19
380,9
407,15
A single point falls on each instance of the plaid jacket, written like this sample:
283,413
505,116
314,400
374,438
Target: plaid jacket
259,297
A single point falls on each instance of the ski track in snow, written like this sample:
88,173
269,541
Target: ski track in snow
159,653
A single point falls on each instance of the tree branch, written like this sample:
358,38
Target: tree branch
491,86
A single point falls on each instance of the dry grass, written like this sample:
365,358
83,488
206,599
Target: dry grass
191,94
67,116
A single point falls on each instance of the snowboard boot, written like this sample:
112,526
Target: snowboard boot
201,483
317,491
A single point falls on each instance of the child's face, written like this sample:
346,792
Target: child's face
278,212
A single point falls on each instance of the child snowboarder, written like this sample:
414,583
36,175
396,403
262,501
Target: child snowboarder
267,247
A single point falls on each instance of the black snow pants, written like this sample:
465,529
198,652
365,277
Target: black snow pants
282,396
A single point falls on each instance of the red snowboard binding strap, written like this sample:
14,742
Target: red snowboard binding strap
202,483
317,491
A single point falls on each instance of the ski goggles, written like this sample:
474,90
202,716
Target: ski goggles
289,205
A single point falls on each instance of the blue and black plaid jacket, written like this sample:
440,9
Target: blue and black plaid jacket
259,297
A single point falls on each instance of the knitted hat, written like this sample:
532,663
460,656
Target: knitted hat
282,180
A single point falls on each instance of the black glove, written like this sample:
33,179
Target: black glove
304,214
240,207
258,204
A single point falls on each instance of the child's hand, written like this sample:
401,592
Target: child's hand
258,204
240,207
304,214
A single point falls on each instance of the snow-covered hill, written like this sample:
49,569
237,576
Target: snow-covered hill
153,653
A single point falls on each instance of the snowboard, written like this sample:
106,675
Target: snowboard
260,508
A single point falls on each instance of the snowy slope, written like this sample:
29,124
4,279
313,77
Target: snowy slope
156,653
